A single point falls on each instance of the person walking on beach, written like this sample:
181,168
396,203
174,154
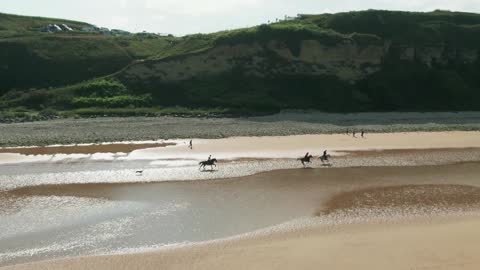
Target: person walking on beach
354,135
191,144
363,133
348,133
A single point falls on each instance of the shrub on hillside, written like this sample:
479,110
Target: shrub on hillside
292,32
112,102
100,88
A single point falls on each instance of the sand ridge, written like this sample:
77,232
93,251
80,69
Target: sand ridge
444,196
83,149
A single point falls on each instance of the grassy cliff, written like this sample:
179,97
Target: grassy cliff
355,61
14,25
31,59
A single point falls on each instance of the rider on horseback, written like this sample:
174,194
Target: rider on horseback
210,162
324,157
305,159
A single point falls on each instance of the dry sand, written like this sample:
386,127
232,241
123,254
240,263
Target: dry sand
267,147
298,145
407,140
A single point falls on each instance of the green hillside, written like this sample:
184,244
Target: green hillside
31,59
14,25
355,61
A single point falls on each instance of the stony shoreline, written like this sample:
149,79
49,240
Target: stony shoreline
72,131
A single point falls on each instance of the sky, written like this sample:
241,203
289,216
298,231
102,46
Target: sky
180,17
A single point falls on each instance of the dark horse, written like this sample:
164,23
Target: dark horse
210,163
324,158
305,159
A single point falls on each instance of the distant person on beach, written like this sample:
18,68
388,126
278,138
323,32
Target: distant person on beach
348,132
363,133
354,135
191,144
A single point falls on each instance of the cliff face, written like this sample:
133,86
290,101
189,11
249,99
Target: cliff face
438,54
347,61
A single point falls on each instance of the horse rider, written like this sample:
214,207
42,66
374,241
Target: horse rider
209,157
325,156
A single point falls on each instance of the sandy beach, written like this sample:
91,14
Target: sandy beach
433,245
412,199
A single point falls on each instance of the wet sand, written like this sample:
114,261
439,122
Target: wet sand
437,244
83,149
447,195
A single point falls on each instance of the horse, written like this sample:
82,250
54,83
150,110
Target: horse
210,163
305,159
324,158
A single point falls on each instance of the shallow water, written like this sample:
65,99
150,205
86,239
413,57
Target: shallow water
135,217
157,166
40,222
